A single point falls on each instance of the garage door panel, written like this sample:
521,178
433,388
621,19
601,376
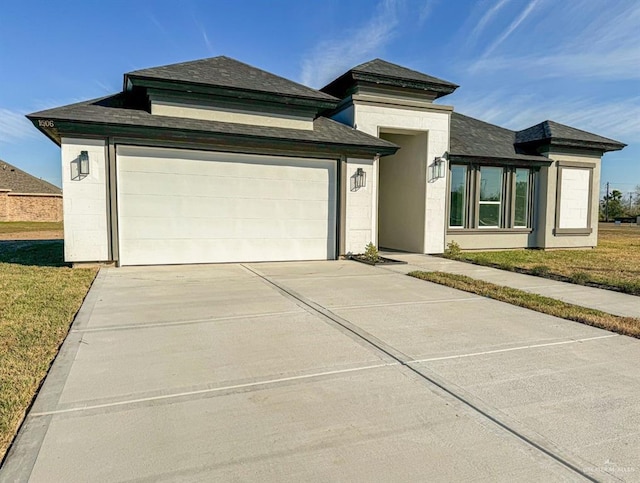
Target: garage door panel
222,208
220,251
177,206
144,228
221,187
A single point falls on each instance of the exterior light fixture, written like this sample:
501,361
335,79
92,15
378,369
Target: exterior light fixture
360,178
439,167
83,163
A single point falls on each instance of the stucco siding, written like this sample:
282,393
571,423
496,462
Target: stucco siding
490,241
551,216
361,206
165,108
85,202
374,119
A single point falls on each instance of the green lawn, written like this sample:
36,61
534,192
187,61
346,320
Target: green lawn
39,297
614,264
28,226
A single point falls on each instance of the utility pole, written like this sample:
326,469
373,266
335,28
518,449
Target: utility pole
606,205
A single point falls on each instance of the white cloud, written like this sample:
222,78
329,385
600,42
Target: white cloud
617,119
331,58
598,47
486,18
426,10
513,26
14,127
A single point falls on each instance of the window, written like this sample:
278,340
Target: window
457,206
521,201
490,201
490,197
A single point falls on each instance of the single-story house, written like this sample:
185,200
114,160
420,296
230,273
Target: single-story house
24,197
217,161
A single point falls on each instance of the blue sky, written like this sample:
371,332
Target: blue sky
518,62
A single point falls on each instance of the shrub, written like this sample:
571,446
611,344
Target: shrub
580,278
540,270
453,250
371,253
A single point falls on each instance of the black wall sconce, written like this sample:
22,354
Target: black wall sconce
439,165
83,163
360,178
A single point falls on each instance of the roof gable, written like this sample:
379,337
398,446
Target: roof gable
556,134
18,181
224,72
381,72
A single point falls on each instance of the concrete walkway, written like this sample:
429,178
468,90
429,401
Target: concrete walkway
325,371
616,303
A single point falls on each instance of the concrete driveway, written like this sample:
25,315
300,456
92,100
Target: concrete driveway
326,371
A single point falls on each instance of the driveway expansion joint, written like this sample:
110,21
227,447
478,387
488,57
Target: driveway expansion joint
530,438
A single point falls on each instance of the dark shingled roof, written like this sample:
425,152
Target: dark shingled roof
474,138
380,71
16,180
229,73
113,110
554,133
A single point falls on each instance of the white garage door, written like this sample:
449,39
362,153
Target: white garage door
182,206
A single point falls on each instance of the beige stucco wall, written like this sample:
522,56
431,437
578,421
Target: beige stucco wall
401,199
165,108
545,215
490,241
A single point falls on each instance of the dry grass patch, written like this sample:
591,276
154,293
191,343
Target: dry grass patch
37,305
28,226
596,318
614,264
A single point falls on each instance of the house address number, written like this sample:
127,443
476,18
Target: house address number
45,123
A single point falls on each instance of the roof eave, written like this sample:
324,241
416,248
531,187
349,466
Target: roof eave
158,83
574,143
92,128
502,160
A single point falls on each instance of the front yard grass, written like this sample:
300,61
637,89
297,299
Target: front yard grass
614,264
596,318
39,297
28,226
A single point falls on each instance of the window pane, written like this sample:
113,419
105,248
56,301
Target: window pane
458,188
490,184
522,198
489,215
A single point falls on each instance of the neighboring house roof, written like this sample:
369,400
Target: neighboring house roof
556,134
18,181
105,115
224,72
474,138
378,71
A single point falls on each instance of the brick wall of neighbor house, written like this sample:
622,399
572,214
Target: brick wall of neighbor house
3,205
31,207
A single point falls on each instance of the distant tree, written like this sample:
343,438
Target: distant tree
616,207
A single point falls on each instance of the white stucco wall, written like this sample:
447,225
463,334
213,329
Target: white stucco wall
86,237
361,206
373,119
